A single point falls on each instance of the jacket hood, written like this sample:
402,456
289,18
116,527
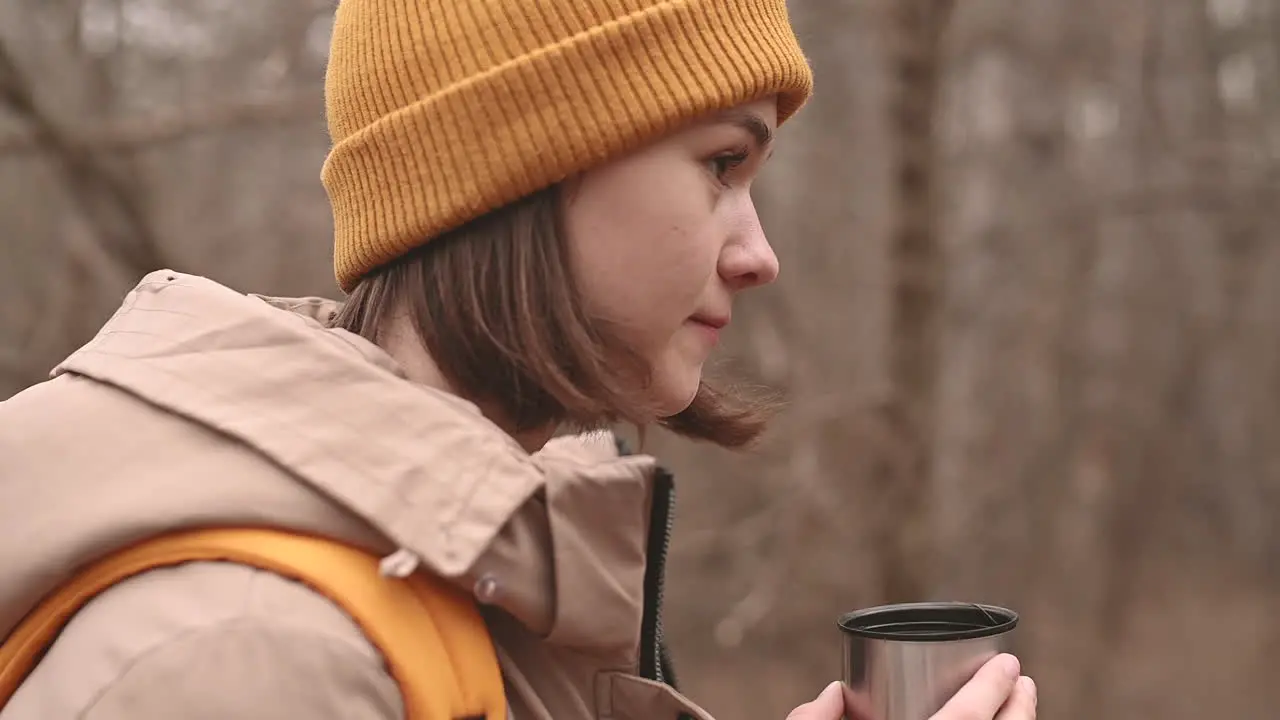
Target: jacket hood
557,536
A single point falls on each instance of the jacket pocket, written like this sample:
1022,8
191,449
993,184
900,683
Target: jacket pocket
621,696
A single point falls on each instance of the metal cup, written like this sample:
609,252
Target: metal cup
904,662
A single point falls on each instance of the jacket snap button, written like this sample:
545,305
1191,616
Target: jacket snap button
486,588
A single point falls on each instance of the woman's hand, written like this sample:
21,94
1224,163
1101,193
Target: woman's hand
996,692
828,706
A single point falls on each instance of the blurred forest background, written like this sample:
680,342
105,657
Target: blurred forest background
1029,316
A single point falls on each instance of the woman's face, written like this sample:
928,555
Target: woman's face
664,239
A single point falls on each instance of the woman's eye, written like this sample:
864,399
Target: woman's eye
722,165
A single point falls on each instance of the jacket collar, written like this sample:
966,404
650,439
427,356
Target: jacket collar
423,467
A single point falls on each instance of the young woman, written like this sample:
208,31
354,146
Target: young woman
542,220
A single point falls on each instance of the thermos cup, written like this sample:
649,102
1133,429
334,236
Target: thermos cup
903,662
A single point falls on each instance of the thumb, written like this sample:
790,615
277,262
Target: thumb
827,706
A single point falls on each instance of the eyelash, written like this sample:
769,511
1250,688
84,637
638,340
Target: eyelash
721,165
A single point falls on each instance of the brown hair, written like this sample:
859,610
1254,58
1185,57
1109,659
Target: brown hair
496,305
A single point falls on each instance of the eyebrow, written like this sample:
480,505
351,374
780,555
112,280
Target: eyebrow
750,122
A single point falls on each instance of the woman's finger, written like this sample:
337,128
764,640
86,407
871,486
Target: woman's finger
1022,704
982,697
827,706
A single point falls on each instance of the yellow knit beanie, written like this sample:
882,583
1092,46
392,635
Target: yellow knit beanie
443,110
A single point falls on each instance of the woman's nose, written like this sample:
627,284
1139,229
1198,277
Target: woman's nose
748,260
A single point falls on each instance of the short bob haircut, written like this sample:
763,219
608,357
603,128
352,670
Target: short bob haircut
496,305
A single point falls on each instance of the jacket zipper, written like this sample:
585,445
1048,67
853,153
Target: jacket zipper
655,663
662,524
655,660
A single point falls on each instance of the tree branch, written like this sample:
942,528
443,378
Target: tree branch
174,126
106,199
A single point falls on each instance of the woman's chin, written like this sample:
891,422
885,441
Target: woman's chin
676,394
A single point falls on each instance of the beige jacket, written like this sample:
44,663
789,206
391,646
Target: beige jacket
196,405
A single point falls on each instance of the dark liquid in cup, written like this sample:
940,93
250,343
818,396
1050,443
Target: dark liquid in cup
930,622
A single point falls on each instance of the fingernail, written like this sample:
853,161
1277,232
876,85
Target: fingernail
1031,688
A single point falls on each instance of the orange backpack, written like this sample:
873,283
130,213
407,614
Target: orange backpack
430,633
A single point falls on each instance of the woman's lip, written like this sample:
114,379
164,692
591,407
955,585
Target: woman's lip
711,331
713,323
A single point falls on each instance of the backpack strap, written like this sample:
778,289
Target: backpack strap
430,633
